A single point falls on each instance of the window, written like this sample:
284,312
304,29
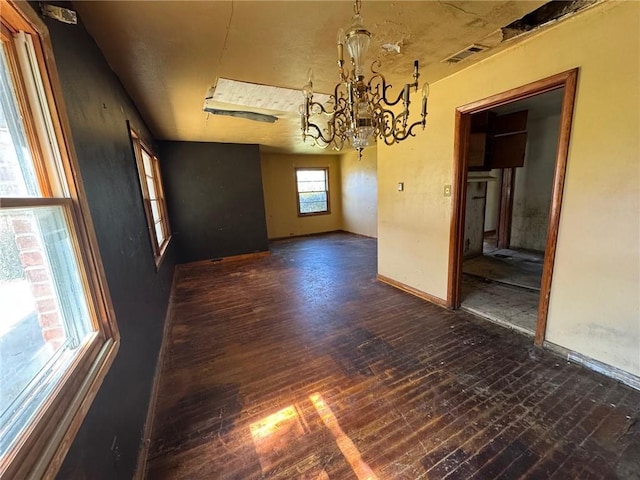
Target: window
57,336
312,188
155,206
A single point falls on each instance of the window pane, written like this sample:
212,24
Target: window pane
146,158
44,310
310,175
311,186
17,174
155,211
151,187
313,207
313,197
313,202
159,234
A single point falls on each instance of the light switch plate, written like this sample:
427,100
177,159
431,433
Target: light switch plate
400,186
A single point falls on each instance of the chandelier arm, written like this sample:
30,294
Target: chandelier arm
379,81
374,86
409,133
338,142
318,135
378,86
421,123
318,144
336,90
389,103
386,125
393,129
322,110
399,127
374,65
381,87
389,140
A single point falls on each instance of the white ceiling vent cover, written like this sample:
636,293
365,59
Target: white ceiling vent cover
257,96
467,52
265,103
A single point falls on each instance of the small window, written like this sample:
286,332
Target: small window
57,336
312,188
155,206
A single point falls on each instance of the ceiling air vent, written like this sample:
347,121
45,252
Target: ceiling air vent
467,52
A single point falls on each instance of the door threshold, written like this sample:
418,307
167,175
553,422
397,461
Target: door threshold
497,320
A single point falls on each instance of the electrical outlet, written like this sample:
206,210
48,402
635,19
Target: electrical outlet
447,190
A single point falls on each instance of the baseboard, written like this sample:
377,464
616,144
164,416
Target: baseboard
413,291
304,235
316,234
358,234
595,365
232,258
143,454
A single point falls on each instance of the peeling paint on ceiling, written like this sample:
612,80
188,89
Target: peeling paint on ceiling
547,13
167,53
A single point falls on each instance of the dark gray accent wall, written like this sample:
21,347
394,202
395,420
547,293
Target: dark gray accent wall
215,199
98,107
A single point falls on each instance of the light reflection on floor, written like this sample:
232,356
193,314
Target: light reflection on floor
346,446
274,434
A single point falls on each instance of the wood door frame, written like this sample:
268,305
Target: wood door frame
505,215
568,80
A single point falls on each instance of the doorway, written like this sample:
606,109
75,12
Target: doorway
514,259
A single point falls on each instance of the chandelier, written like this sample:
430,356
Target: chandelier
359,111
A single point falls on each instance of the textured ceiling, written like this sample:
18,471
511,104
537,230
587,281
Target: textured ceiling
167,54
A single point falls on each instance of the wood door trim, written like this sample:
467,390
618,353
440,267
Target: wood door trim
458,202
559,175
506,207
568,80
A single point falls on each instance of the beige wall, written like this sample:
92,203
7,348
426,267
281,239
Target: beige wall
534,184
279,183
594,304
359,192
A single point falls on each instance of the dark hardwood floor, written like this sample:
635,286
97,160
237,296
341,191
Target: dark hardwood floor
300,365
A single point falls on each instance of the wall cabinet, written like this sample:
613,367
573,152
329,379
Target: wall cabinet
497,141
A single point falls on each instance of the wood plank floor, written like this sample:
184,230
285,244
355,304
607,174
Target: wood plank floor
300,365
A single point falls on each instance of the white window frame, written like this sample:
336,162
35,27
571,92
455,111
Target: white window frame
326,183
39,449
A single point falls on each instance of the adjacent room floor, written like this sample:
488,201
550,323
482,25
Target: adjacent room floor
503,285
301,365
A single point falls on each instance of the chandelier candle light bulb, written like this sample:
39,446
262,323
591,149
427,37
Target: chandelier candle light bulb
359,111
425,94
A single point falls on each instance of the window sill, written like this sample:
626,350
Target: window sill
163,252
313,214
47,449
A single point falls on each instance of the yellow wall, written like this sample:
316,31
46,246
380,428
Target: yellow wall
359,192
594,305
279,183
